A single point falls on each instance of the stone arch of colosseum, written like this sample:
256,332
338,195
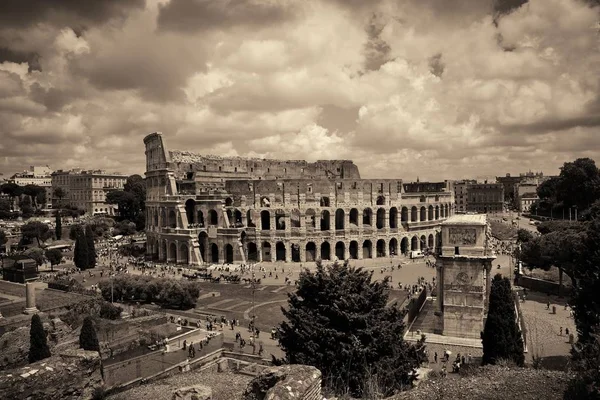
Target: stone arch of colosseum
313,213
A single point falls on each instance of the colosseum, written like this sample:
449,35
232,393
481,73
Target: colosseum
208,209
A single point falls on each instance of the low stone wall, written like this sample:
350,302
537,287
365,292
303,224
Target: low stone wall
540,285
520,320
287,382
12,289
246,357
149,365
110,331
414,306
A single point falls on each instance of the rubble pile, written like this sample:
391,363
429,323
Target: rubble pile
223,385
14,345
73,374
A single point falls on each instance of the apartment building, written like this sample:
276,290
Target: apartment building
461,189
87,189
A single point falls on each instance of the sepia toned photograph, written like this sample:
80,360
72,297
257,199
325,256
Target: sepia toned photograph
299,199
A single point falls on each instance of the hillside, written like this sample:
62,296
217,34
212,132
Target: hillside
493,383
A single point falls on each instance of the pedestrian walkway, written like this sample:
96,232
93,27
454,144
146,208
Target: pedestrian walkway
425,321
218,303
242,303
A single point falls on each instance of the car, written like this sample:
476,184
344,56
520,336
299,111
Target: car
417,254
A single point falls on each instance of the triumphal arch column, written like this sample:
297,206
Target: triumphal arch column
463,276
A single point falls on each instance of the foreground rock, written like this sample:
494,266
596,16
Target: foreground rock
287,382
198,392
73,374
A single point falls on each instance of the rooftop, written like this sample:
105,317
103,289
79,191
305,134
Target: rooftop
466,219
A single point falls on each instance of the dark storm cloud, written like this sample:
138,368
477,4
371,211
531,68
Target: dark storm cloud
502,7
32,58
436,65
200,15
588,121
80,13
54,99
376,49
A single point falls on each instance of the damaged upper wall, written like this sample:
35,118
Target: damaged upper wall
157,158
427,187
191,166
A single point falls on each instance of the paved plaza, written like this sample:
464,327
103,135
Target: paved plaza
544,338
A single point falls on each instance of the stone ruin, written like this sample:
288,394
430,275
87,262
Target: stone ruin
197,392
287,382
73,374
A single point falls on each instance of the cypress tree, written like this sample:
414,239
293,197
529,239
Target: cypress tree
58,226
81,251
91,247
502,338
38,346
88,339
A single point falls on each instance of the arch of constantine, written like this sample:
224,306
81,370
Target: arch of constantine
208,209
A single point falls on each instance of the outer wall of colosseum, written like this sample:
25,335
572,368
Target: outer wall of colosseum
284,219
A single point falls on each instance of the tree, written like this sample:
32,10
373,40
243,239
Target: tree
36,230
36,254
57,226
586,283
560,245
75,230
88,339
174,296
524,236
26,209
41,199
126,201
502,338
80,256
91,247
6,211
593,212
12,190
579,183
60,194
125,228
131,200
547,189
101,226
586,362
38,346
337,321
35,192
54,256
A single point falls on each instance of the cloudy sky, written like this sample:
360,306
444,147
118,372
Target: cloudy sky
439,89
